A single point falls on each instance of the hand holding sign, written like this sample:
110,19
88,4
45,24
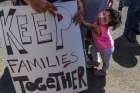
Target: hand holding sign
41,6
60,17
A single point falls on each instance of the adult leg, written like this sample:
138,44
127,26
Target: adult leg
86,43
95,56
130,25
137,15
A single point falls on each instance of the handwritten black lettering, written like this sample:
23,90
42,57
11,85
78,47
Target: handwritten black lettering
8,35
42,34
22,21
53,81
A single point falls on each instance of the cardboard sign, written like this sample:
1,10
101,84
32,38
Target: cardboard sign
44,53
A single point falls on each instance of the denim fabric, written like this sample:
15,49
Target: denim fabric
131,3
132,22
105,56
133,19
135,4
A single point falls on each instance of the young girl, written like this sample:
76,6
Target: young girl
102,38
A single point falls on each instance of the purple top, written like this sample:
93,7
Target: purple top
92,8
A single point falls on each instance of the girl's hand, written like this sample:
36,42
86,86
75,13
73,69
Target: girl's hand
41,6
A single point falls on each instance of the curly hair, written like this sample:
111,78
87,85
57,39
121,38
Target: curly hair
115,18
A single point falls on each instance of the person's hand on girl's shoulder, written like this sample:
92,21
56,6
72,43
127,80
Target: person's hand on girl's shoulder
41,6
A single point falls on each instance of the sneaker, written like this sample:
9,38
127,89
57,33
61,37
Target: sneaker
99,73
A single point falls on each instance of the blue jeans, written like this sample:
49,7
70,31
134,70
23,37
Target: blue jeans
131,24
105,56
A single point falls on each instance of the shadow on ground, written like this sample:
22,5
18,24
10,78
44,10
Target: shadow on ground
125,53
95,84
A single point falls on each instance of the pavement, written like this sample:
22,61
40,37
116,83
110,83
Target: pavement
124,71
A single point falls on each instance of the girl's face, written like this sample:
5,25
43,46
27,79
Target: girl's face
104,18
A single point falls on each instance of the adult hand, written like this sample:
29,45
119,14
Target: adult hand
77,17
41,6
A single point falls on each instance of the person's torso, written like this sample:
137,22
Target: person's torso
92,8
103,41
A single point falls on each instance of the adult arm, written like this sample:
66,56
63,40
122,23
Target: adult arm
93,26
80,12
41,5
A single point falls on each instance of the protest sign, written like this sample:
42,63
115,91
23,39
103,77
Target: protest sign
44,53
